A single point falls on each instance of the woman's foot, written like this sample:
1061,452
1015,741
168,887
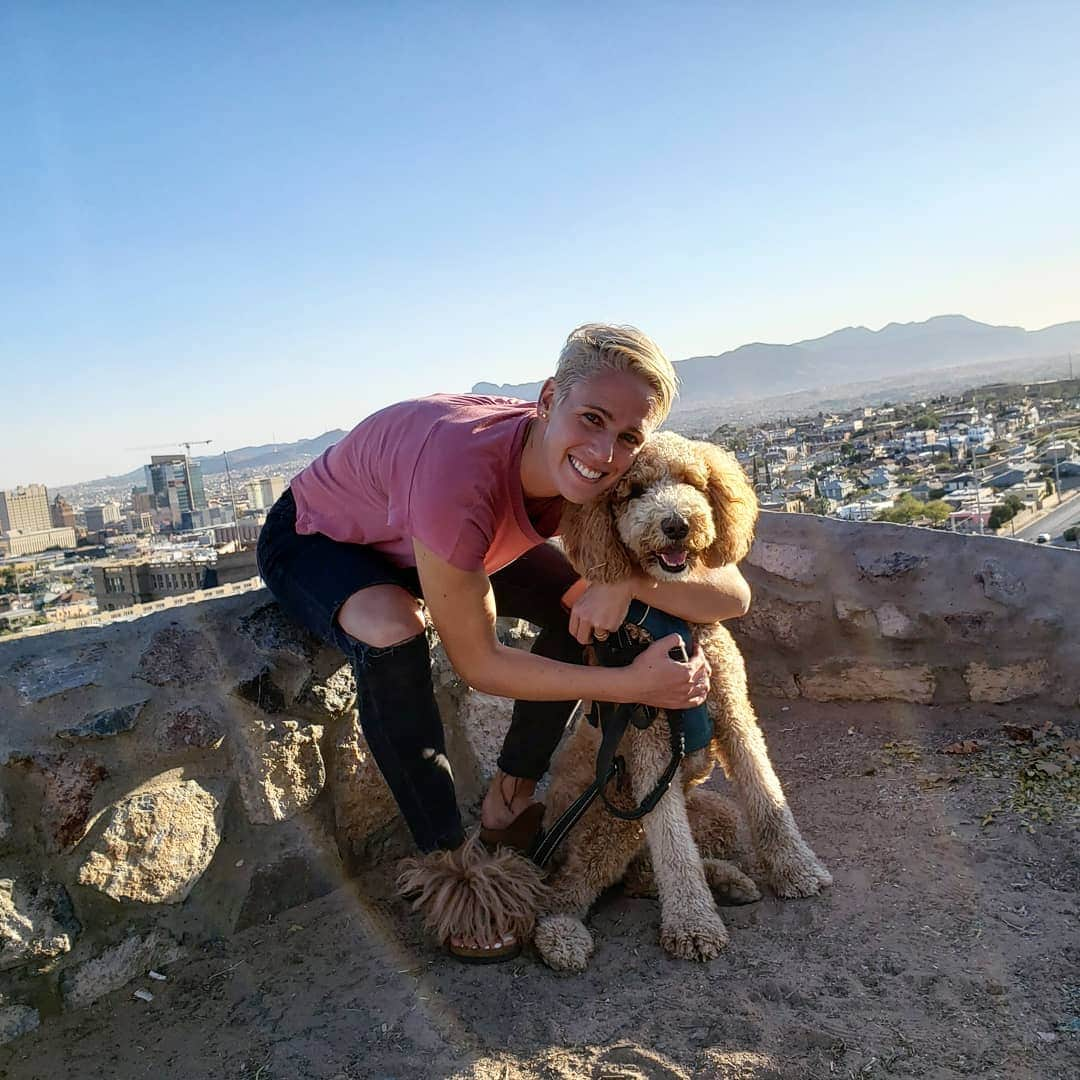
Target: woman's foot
507,798
509,818
479,952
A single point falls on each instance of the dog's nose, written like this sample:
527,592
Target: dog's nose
675,527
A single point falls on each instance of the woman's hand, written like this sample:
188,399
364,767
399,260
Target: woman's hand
600,610
667,683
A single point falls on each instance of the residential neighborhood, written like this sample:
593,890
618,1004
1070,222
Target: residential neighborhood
991,460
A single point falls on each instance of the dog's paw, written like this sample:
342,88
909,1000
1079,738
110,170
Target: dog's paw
563,942
795,871
703,940
728,881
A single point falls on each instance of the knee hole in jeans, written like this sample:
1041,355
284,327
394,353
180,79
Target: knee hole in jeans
388,628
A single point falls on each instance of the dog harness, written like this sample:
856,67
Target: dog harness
690,729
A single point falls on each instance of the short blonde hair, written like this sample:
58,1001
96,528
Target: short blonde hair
601,347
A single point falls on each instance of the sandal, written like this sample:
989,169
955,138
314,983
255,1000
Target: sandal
494,954
476,895
520,835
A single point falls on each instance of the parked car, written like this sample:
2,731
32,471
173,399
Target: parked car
1042,538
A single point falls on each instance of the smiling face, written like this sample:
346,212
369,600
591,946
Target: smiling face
591,434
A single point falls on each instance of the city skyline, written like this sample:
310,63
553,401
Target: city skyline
331,211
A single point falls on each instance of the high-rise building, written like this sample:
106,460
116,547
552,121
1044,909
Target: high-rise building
141,501
264,491
175,484
63,513
99,518
25,509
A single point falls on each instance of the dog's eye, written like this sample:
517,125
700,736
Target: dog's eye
635,492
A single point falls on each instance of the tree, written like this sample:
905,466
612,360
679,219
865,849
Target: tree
904,511
1073,535
937,510
1005,511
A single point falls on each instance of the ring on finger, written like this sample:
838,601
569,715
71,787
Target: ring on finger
600,635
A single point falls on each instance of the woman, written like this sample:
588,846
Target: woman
451,499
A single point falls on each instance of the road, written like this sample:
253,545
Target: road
1054,523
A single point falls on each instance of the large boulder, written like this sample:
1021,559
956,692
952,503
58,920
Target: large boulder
363,805
788,561
156,844
862,681
36,921
116,966
1009,683
16,1020
178,655
68,783
281,770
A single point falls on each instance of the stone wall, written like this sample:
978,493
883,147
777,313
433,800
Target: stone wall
185,775
851,611
180,777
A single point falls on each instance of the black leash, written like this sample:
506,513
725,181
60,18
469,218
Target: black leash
613,720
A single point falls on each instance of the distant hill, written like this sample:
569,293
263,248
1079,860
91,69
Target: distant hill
854,354
269,454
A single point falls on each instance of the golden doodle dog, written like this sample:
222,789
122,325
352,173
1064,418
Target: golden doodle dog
697,493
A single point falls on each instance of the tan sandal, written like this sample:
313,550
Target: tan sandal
494,954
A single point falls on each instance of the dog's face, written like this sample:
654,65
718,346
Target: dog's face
681,503
662,517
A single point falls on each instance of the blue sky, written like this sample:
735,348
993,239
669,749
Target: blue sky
250,221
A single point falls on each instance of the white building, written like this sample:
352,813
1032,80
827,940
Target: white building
18,542
264,491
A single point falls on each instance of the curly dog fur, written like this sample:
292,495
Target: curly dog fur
680,850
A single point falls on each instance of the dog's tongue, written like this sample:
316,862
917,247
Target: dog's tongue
673,557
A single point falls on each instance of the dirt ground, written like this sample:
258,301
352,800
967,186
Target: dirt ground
947,947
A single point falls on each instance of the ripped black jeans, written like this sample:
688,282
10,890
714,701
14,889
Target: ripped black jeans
312,576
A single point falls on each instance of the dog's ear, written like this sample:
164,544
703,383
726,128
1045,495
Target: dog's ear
592,542
734,503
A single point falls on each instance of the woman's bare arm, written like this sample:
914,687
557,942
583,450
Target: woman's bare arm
462,607
708,594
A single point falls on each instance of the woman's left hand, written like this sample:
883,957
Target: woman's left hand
600,610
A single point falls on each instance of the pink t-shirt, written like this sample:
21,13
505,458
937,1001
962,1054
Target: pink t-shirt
444,469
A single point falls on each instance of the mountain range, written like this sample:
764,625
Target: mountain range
854,354
753,382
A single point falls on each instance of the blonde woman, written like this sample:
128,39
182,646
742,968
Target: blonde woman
451,499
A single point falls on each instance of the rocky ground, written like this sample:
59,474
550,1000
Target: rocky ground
948,947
